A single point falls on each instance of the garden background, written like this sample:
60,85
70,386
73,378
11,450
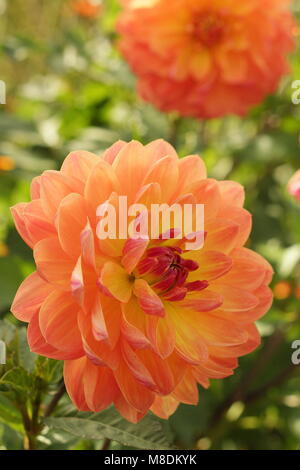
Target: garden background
68,88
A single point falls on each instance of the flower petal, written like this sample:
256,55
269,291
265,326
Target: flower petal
132,253
128,411
53,264
207,192
100,388
74,372
164,407
215,369
148,195
101,182
101,353
54,186
164,172
36,222
148,300
78,165
136,394
117,281
160,371
130,161
134,324
187,390
202,301
58,323
246,270
70,221
212,265
19,220
30,296
38,344
191,170
222,235
106,320
218,330
161,334
189,346
241,217
112,152
137,367
233,194
158,149
35,188
235,299
87,242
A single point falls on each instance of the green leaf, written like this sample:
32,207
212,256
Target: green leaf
7,331
12,439
9,414
150,433
10,279
26,357
49,370
18,380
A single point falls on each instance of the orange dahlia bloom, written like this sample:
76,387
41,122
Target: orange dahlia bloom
87,8
206,58
139,322
6,163
282,290
297,292
294,186
4,251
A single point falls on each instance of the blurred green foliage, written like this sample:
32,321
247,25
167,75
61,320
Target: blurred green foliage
68,88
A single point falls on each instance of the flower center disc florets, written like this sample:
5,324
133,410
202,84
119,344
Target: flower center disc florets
167,272
209,28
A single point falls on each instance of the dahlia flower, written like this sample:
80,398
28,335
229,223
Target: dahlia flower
282,290
139,322
87,8
294,186
7,163
206,58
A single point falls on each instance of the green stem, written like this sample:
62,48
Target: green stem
30,438
106,444
55,400
174,130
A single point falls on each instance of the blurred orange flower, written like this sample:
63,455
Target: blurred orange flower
297,292
206,58
282,290
3,250
294,186
6,163
88,8
138,322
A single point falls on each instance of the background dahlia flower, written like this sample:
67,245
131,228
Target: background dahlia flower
206,58
139,323
294,186
88,8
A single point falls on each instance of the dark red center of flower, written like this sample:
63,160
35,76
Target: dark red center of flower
168,272
209,28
